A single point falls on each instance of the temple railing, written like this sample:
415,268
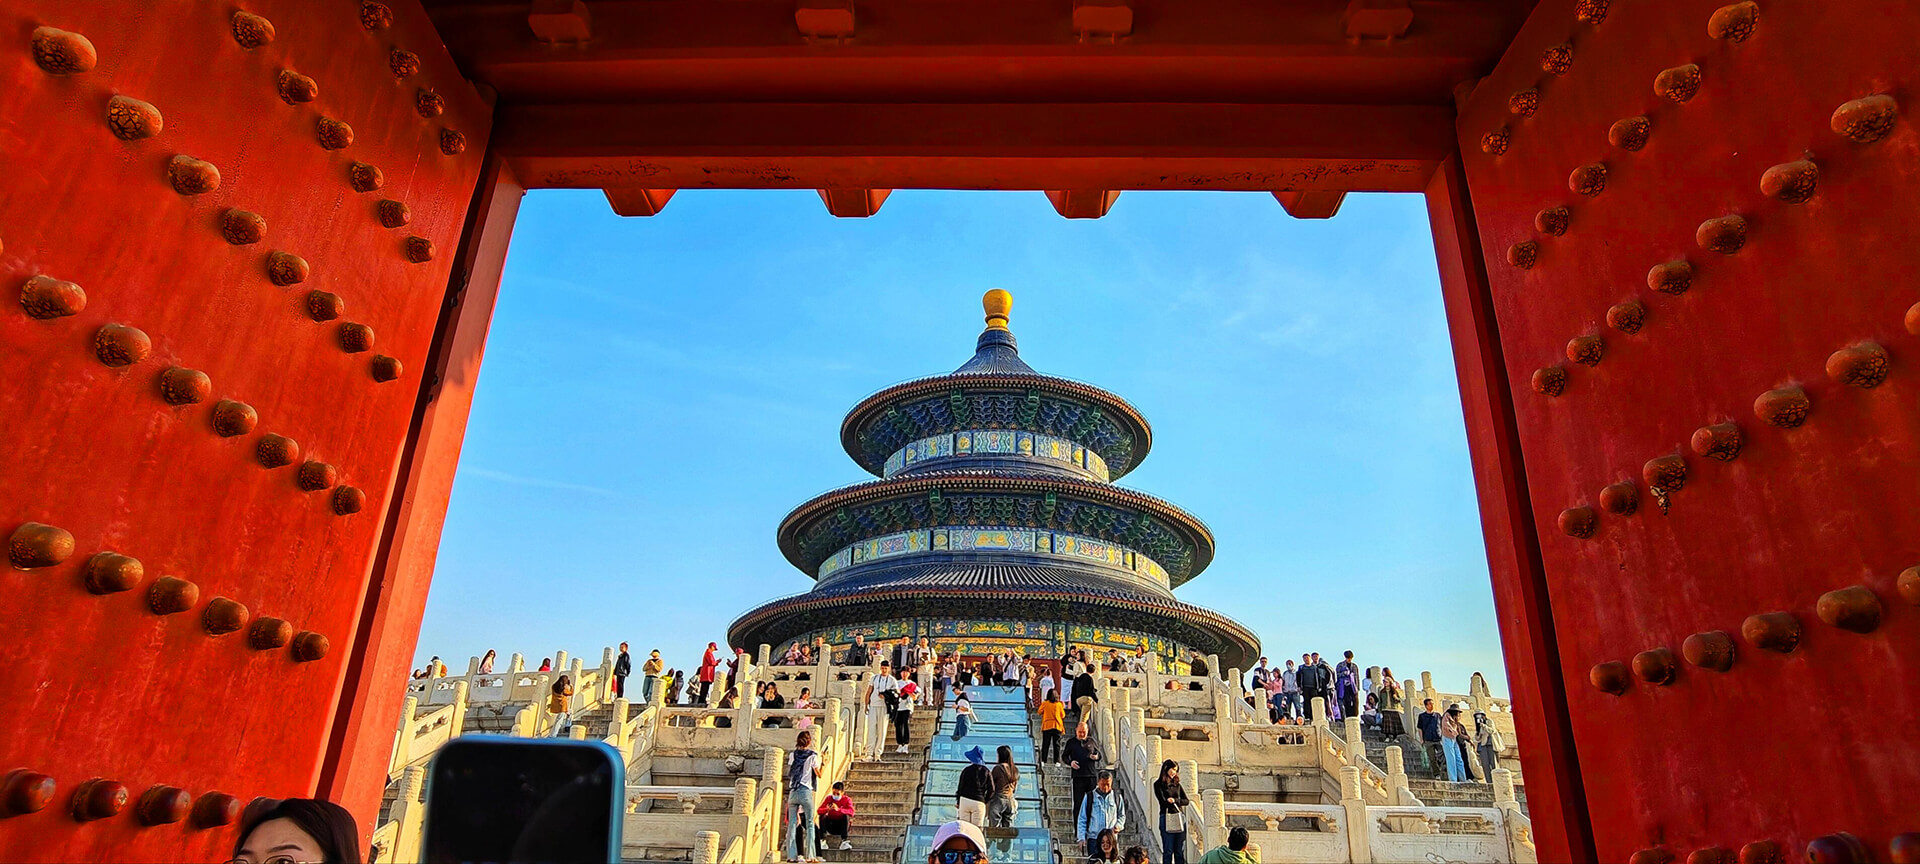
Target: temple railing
1352,831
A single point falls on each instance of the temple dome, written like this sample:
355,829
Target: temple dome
996,390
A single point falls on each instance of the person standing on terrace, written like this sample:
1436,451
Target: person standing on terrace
622,667
709,665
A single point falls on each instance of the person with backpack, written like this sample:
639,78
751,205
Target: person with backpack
1101,811
975,787
836,817
803,774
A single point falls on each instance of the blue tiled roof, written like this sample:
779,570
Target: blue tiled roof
996,352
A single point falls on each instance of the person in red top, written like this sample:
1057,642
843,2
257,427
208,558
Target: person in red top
836,811
708,663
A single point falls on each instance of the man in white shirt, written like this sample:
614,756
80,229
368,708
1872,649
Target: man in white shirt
880,690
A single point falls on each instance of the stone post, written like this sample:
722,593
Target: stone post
1155,755
1226,737
1510,814
1122,700
1356,746
740,820
1213,816
577,732
403,744
1105,733
765,657
1427,691
459,721
823,667
1320,713
1359,849
525,721
1402,793
706,847
519,663
773,766
1374,676
622,741
1399,794
1137,718
559,660
1236,685
1153,681
1478,695
576,670
830,727
1213,670
603,691
1410,708
743,720
473,667
411,813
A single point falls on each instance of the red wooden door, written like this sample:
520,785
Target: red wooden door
1697,224
261,209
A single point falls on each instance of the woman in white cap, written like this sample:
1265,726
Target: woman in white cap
958,842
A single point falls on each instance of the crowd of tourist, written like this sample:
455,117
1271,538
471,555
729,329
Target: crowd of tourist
987,794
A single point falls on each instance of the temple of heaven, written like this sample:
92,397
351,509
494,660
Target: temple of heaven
995,525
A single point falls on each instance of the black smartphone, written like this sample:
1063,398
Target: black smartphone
499,800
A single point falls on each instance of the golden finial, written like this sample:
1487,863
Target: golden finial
998,304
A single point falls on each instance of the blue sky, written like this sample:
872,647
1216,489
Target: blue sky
659,392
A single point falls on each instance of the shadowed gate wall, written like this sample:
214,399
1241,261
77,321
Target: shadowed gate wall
1704,315
213,434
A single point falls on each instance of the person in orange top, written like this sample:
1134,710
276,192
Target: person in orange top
1053,723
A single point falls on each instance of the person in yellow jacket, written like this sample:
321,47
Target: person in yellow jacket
1053,724
650,671
560,705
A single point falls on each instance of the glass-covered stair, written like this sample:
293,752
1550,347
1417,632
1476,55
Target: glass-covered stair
1003,722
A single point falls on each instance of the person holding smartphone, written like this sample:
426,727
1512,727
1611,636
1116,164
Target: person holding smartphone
803,775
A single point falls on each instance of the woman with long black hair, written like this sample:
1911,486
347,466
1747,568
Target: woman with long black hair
1173,814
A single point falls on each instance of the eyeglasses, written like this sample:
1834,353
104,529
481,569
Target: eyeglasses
961,856
277,859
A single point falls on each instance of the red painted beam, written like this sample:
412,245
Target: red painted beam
1083,203
1556,800
854,203
981,51
1311,203
636,201
355,770
972,146
560,21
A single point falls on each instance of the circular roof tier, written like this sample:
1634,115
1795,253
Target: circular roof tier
996,390
1172,537
1025,591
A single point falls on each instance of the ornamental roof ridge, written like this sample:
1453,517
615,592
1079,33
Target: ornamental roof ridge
972,479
